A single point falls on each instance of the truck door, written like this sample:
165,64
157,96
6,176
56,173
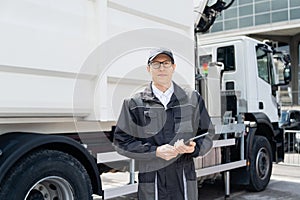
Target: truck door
266,78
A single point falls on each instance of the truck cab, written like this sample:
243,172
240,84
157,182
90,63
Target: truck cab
249,73
249,80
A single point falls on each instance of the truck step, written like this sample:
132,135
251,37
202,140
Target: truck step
223,143
120,191
108,157
220,168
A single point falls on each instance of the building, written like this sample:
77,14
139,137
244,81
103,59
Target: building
275,20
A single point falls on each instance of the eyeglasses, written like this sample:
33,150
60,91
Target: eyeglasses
165,64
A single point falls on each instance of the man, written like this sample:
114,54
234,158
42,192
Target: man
154,127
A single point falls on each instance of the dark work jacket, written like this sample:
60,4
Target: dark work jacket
144,124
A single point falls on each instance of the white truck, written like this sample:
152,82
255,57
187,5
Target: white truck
66,66
248,88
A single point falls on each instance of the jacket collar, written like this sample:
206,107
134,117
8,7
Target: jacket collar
148,95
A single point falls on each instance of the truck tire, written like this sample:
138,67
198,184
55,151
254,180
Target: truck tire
260,164
47,174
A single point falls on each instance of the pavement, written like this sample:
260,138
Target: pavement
286,172
284,185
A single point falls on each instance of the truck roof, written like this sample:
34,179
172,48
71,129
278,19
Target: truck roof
206,41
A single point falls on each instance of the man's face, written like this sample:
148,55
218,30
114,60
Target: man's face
163,75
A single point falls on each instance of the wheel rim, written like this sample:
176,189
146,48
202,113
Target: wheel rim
262,163
50,188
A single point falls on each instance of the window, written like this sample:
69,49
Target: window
230,24
294,3
262,19
295,115
279,16
226,55
264,64
231,13
262,7
218,26
295,13
241,2
245,10
246,21
279,4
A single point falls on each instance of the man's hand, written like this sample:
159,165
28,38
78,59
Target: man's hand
166,152
182,148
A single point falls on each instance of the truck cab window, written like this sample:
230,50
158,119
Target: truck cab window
297,116
226,55
264,64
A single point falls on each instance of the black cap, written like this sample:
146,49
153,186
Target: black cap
157,51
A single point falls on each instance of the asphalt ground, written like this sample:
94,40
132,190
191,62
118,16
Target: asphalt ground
284,185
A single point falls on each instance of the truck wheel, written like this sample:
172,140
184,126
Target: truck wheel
45,175
260,164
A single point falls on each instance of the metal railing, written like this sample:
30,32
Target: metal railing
292,147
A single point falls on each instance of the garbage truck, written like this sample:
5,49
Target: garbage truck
66,66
